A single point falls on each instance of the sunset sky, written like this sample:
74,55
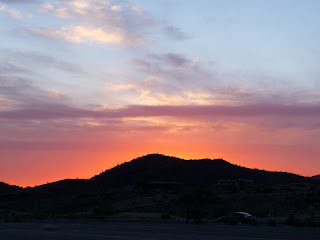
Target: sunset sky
88,84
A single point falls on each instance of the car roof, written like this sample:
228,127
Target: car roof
243,213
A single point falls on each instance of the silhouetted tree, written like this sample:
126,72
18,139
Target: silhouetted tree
104,210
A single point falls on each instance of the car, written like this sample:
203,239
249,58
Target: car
238,217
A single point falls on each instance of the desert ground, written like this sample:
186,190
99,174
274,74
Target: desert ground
150,230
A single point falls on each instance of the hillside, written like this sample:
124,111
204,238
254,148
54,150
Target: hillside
156,167
317,177
122,189
6,188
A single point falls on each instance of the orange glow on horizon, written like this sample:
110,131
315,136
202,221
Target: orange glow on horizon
88,164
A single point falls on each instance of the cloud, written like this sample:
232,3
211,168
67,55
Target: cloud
96,21
10,67
14,13
175,33
47,124
153,63
6,103
176,73
116,8
41,59
24,93
153,92
19,1
173,68
184,77
27,63
174,60
80,34
58,111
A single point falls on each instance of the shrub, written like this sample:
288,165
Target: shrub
298,222
272,222
165,216
290,220
268,190
262,212
198,219
104,210
219,211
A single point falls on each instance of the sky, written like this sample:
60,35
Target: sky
89,84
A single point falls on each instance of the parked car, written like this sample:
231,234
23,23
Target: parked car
238,217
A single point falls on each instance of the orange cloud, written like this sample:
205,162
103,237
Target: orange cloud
109,23
80,34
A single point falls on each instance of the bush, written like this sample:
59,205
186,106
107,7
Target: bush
104,210
306,222
198,220
272,222
262,212
165,216
290,220
312,221
268,190
219,211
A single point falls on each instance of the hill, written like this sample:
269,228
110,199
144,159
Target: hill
6,188
157,167
317,177
123,189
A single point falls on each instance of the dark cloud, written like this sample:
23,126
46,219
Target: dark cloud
172,59
60,111
177,70
175,33
15,86
48,61
153,63
23,91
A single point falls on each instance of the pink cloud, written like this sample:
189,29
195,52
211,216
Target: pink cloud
58,111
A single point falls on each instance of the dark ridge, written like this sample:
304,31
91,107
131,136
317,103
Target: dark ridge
157,167
124,187
6,188
63,186
317,177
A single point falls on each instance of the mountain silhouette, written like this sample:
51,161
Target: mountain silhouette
157,167
8,189
317,177
130,187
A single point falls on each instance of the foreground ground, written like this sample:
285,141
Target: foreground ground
152,231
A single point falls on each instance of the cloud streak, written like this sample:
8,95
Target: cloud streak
176,34
38,59
80,34
56,111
